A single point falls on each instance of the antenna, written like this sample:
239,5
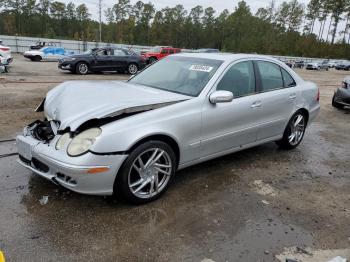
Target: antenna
100,17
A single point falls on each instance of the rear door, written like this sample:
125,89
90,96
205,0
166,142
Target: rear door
277,95
120,59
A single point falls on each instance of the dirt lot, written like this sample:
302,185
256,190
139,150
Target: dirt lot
261,204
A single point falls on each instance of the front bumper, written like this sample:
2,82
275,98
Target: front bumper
6,61
65,65
342,96
69,172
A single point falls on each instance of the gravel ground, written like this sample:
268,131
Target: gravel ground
255,205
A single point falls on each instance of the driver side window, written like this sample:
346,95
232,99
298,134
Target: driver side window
239,79
103,52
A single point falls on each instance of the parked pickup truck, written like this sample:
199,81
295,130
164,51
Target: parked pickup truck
159,52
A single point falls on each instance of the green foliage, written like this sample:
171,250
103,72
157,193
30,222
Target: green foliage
272,30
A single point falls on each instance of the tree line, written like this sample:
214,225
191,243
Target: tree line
290,28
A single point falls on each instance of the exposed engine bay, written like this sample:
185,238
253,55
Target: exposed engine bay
44,131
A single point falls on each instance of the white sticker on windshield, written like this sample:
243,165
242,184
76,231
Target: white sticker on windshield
201,68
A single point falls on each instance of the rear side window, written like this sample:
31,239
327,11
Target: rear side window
239,79
287,79
164,51
119,52
271,76
171,51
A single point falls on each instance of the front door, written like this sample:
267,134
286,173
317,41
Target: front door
104,60
226,126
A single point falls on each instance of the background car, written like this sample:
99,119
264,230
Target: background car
207,50
299,64
317,65
5,54
129,138
289,63
49,53
3,65
332,64
159,52
39,45
341,97
103,59
345,65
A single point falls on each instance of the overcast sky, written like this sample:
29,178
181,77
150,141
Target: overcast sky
218,5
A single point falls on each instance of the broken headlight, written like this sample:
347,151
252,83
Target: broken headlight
82,142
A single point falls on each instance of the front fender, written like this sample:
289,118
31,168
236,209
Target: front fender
181,122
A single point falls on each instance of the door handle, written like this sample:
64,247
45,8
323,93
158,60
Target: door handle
293,96
256,104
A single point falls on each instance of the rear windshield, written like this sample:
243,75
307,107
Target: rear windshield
183,75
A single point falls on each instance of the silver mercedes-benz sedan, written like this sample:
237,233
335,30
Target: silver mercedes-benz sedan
129,138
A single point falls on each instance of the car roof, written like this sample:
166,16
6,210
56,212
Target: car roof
226,57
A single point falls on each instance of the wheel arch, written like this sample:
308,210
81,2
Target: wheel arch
305,112
82,61
159,137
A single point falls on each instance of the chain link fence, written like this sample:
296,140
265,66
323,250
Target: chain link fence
20,44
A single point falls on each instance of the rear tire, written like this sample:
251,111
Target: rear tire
294,132
133,69
82,68
142,182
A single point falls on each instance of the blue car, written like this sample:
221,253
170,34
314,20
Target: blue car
49,53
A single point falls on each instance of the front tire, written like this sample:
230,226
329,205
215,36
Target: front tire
37,58
294,132
82,68
146,173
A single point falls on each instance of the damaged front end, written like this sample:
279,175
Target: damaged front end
44,131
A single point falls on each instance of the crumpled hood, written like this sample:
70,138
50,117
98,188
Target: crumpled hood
75,102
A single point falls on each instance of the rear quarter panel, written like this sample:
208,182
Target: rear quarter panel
308,99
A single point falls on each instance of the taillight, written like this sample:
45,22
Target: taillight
4,48
344,85
318,95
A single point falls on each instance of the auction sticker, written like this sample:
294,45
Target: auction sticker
201,68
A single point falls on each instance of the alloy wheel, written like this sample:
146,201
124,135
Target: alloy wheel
297,129
132,69
83,68
150,173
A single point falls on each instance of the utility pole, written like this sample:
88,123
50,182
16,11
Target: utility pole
100,16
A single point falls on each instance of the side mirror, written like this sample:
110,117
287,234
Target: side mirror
221,97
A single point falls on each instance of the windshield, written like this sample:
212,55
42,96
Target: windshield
183,75
155,49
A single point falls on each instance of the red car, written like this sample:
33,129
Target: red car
159,52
